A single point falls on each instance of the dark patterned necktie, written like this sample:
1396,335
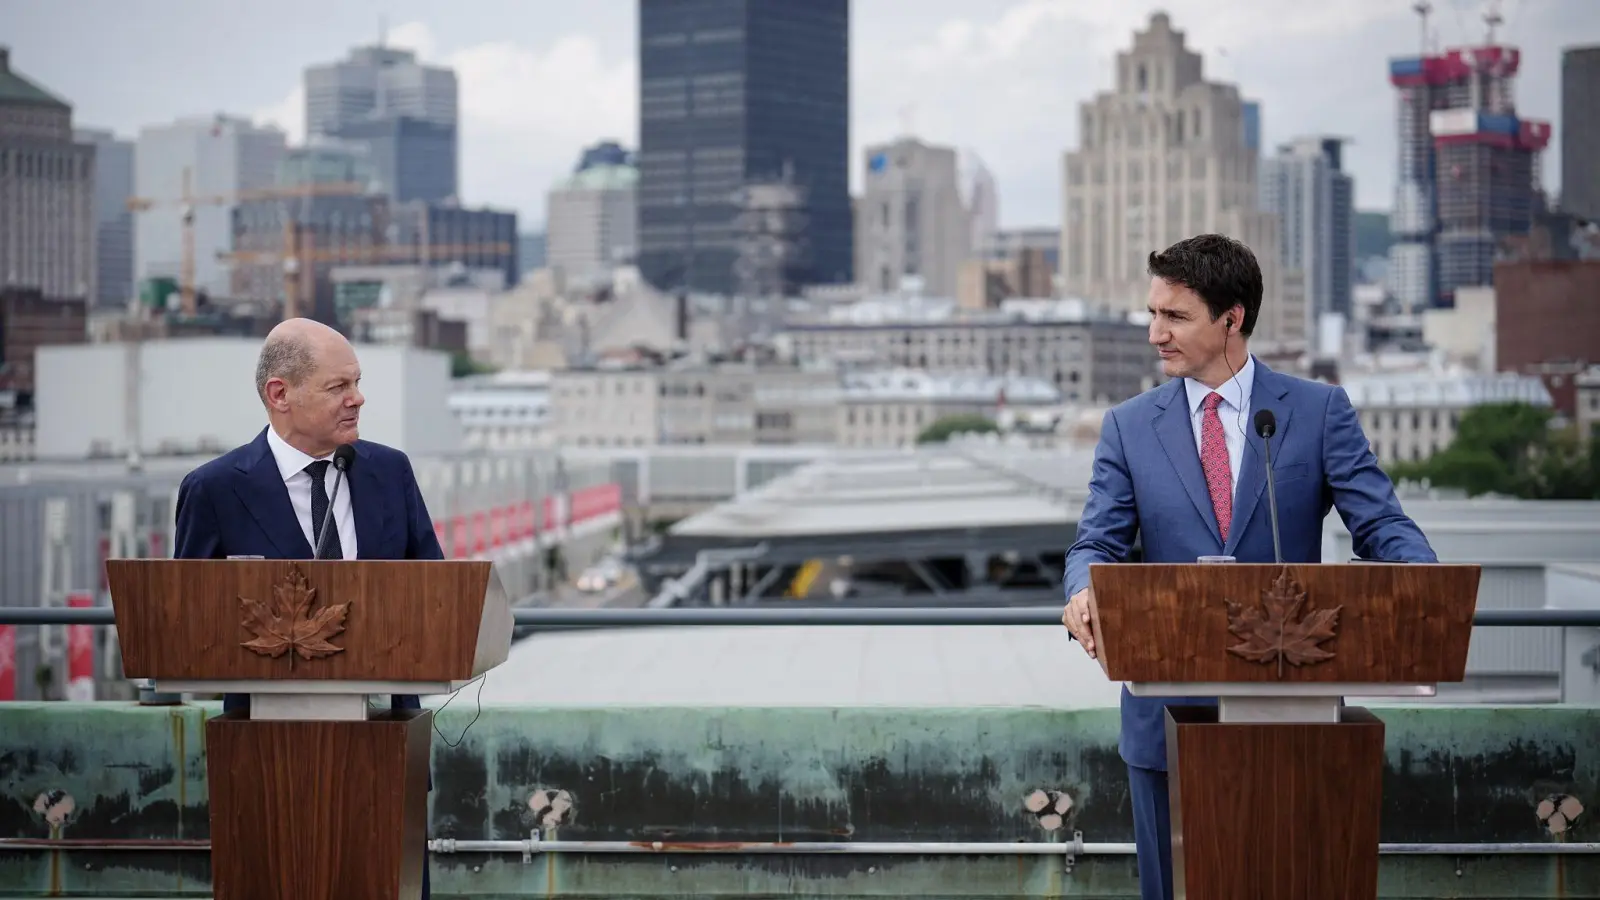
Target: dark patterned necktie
319,510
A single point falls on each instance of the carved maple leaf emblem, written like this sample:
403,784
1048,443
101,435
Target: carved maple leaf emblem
286,622
1276,631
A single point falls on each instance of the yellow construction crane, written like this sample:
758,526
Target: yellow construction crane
299,261
188,201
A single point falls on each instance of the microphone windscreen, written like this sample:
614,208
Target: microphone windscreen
1266,423
344,455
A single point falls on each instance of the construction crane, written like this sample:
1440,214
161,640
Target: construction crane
187,202
298,260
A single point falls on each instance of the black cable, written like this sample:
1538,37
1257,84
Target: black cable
479,701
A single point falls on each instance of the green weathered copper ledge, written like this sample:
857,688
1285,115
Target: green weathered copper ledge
121,772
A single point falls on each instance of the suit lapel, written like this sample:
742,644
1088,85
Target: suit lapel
1176,434
1267,392
263,493
366,501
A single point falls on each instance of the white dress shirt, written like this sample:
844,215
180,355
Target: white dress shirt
1234,411
292,466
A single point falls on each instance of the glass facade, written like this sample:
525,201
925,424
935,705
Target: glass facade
733,92
412,159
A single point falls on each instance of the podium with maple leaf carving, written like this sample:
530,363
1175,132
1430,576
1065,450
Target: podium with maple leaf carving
313,793
1276,790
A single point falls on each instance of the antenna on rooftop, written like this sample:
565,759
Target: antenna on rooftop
1492,19
1422,8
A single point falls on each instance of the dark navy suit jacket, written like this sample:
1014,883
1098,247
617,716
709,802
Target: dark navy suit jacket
1147,481
237,505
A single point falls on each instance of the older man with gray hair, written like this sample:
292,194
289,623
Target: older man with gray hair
270,497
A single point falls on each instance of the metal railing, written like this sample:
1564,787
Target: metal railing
1075,846
801,615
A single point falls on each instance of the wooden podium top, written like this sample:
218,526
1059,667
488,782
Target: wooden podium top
268,620
1360,623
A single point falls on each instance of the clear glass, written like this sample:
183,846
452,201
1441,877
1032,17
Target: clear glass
1215,559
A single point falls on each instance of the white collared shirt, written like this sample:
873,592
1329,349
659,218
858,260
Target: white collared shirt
292,466
1234,412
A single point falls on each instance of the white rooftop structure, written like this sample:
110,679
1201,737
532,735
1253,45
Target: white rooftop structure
917,384
198,396
1444,390
892,309
895,491
1037,309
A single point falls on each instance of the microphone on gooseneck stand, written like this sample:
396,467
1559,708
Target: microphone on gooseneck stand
1266,427
343,456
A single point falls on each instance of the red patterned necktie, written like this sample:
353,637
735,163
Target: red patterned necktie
1214,460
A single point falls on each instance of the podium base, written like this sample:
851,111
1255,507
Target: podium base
319,810
1262,811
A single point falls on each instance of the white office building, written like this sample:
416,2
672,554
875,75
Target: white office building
220,157
591,223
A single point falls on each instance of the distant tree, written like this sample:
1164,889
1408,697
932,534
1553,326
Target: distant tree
463,365
966,423
1510,448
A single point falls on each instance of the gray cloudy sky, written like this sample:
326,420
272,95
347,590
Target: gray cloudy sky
1002,78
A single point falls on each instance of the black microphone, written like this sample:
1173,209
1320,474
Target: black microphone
1266,427
343,456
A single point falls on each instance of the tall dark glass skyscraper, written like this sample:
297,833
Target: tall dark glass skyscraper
734,93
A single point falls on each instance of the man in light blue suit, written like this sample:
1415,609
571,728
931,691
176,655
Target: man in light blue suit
1180,468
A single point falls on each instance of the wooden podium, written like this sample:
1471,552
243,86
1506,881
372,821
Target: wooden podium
1276,791
314,795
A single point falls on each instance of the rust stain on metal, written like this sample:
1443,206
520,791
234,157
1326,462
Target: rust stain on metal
705,846
175,721
70,844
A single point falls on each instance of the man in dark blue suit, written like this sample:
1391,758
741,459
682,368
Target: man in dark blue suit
1178,467
269,497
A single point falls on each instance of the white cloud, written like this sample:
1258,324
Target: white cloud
1002,78
413,36
1008,84
525,112
288,114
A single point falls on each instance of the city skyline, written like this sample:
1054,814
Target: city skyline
1001,80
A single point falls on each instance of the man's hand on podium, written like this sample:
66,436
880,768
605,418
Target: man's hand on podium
1076,618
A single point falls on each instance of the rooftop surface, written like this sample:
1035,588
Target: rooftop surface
891,491
813,666
978,482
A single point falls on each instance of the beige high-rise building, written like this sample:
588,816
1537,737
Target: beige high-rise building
47,213
910,220
1162,157
590,225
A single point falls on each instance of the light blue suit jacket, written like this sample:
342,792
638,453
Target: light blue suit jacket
1147,482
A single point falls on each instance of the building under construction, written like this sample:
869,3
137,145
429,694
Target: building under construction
1468,170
